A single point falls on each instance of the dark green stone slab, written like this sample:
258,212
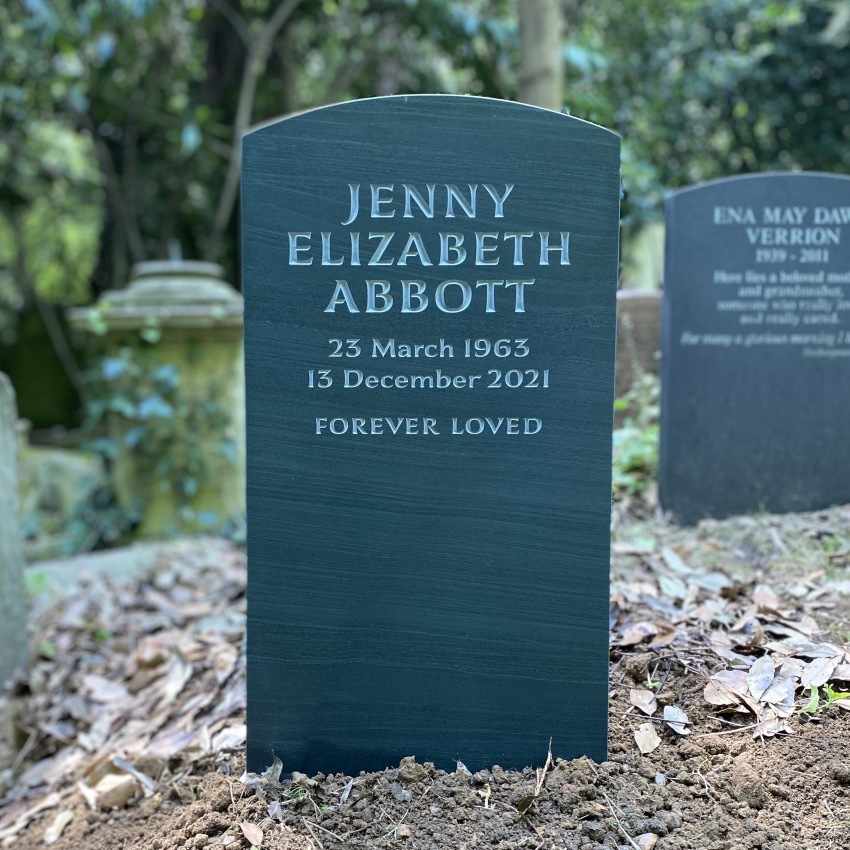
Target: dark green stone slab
424,592
756,346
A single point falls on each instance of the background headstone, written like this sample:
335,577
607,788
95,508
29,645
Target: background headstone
756,346
428,550
13,631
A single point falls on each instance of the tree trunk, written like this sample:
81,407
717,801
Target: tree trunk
13,632
541,63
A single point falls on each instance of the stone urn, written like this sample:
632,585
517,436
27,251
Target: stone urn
171,344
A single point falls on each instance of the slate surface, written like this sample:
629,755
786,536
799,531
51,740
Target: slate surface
436,594
756,346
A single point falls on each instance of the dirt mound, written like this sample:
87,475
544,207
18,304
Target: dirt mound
727,721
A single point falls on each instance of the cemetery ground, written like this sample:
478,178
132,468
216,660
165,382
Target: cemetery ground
728,726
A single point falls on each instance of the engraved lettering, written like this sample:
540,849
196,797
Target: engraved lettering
518,238
499,200
408,293
326,252
455,194
452,242
354,191
519,306
380,200
414,248
376,289
377,256
412,193
295,249
439,296
342,295
491,293
481,249
564,248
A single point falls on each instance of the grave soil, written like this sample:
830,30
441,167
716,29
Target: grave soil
159,658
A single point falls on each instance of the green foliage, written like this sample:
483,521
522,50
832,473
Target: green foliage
138,405
636,443
119,119
831,696
708,89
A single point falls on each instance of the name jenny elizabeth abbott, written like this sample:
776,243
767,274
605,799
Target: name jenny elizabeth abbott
425,426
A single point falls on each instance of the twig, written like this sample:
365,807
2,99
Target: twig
541,774
313,834
612,807
255,64
319,826
727,731
25,750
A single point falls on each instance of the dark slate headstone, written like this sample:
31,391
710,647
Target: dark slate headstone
429,328
756,346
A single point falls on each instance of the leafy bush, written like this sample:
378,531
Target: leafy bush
636,443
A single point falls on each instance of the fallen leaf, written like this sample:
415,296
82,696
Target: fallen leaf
21,822
676,719
102,690
644,700
674,562
735,680
761,675
771,725
116,790
841,672
792,667
646,841
765,598
230,738
637,632
252,832
780,695
672,586
712,582
54,832
525,803
637,547
273,771
89,795
818,672
177,676
666,635
647,738
716,693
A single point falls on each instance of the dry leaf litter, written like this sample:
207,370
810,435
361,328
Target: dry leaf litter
729,661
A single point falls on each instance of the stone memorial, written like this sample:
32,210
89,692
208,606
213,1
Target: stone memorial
756,346
429,291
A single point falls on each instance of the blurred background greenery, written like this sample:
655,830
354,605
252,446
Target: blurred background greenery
120,119
120,122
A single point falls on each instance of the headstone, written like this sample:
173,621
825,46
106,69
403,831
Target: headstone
13,631
756,346
430,312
